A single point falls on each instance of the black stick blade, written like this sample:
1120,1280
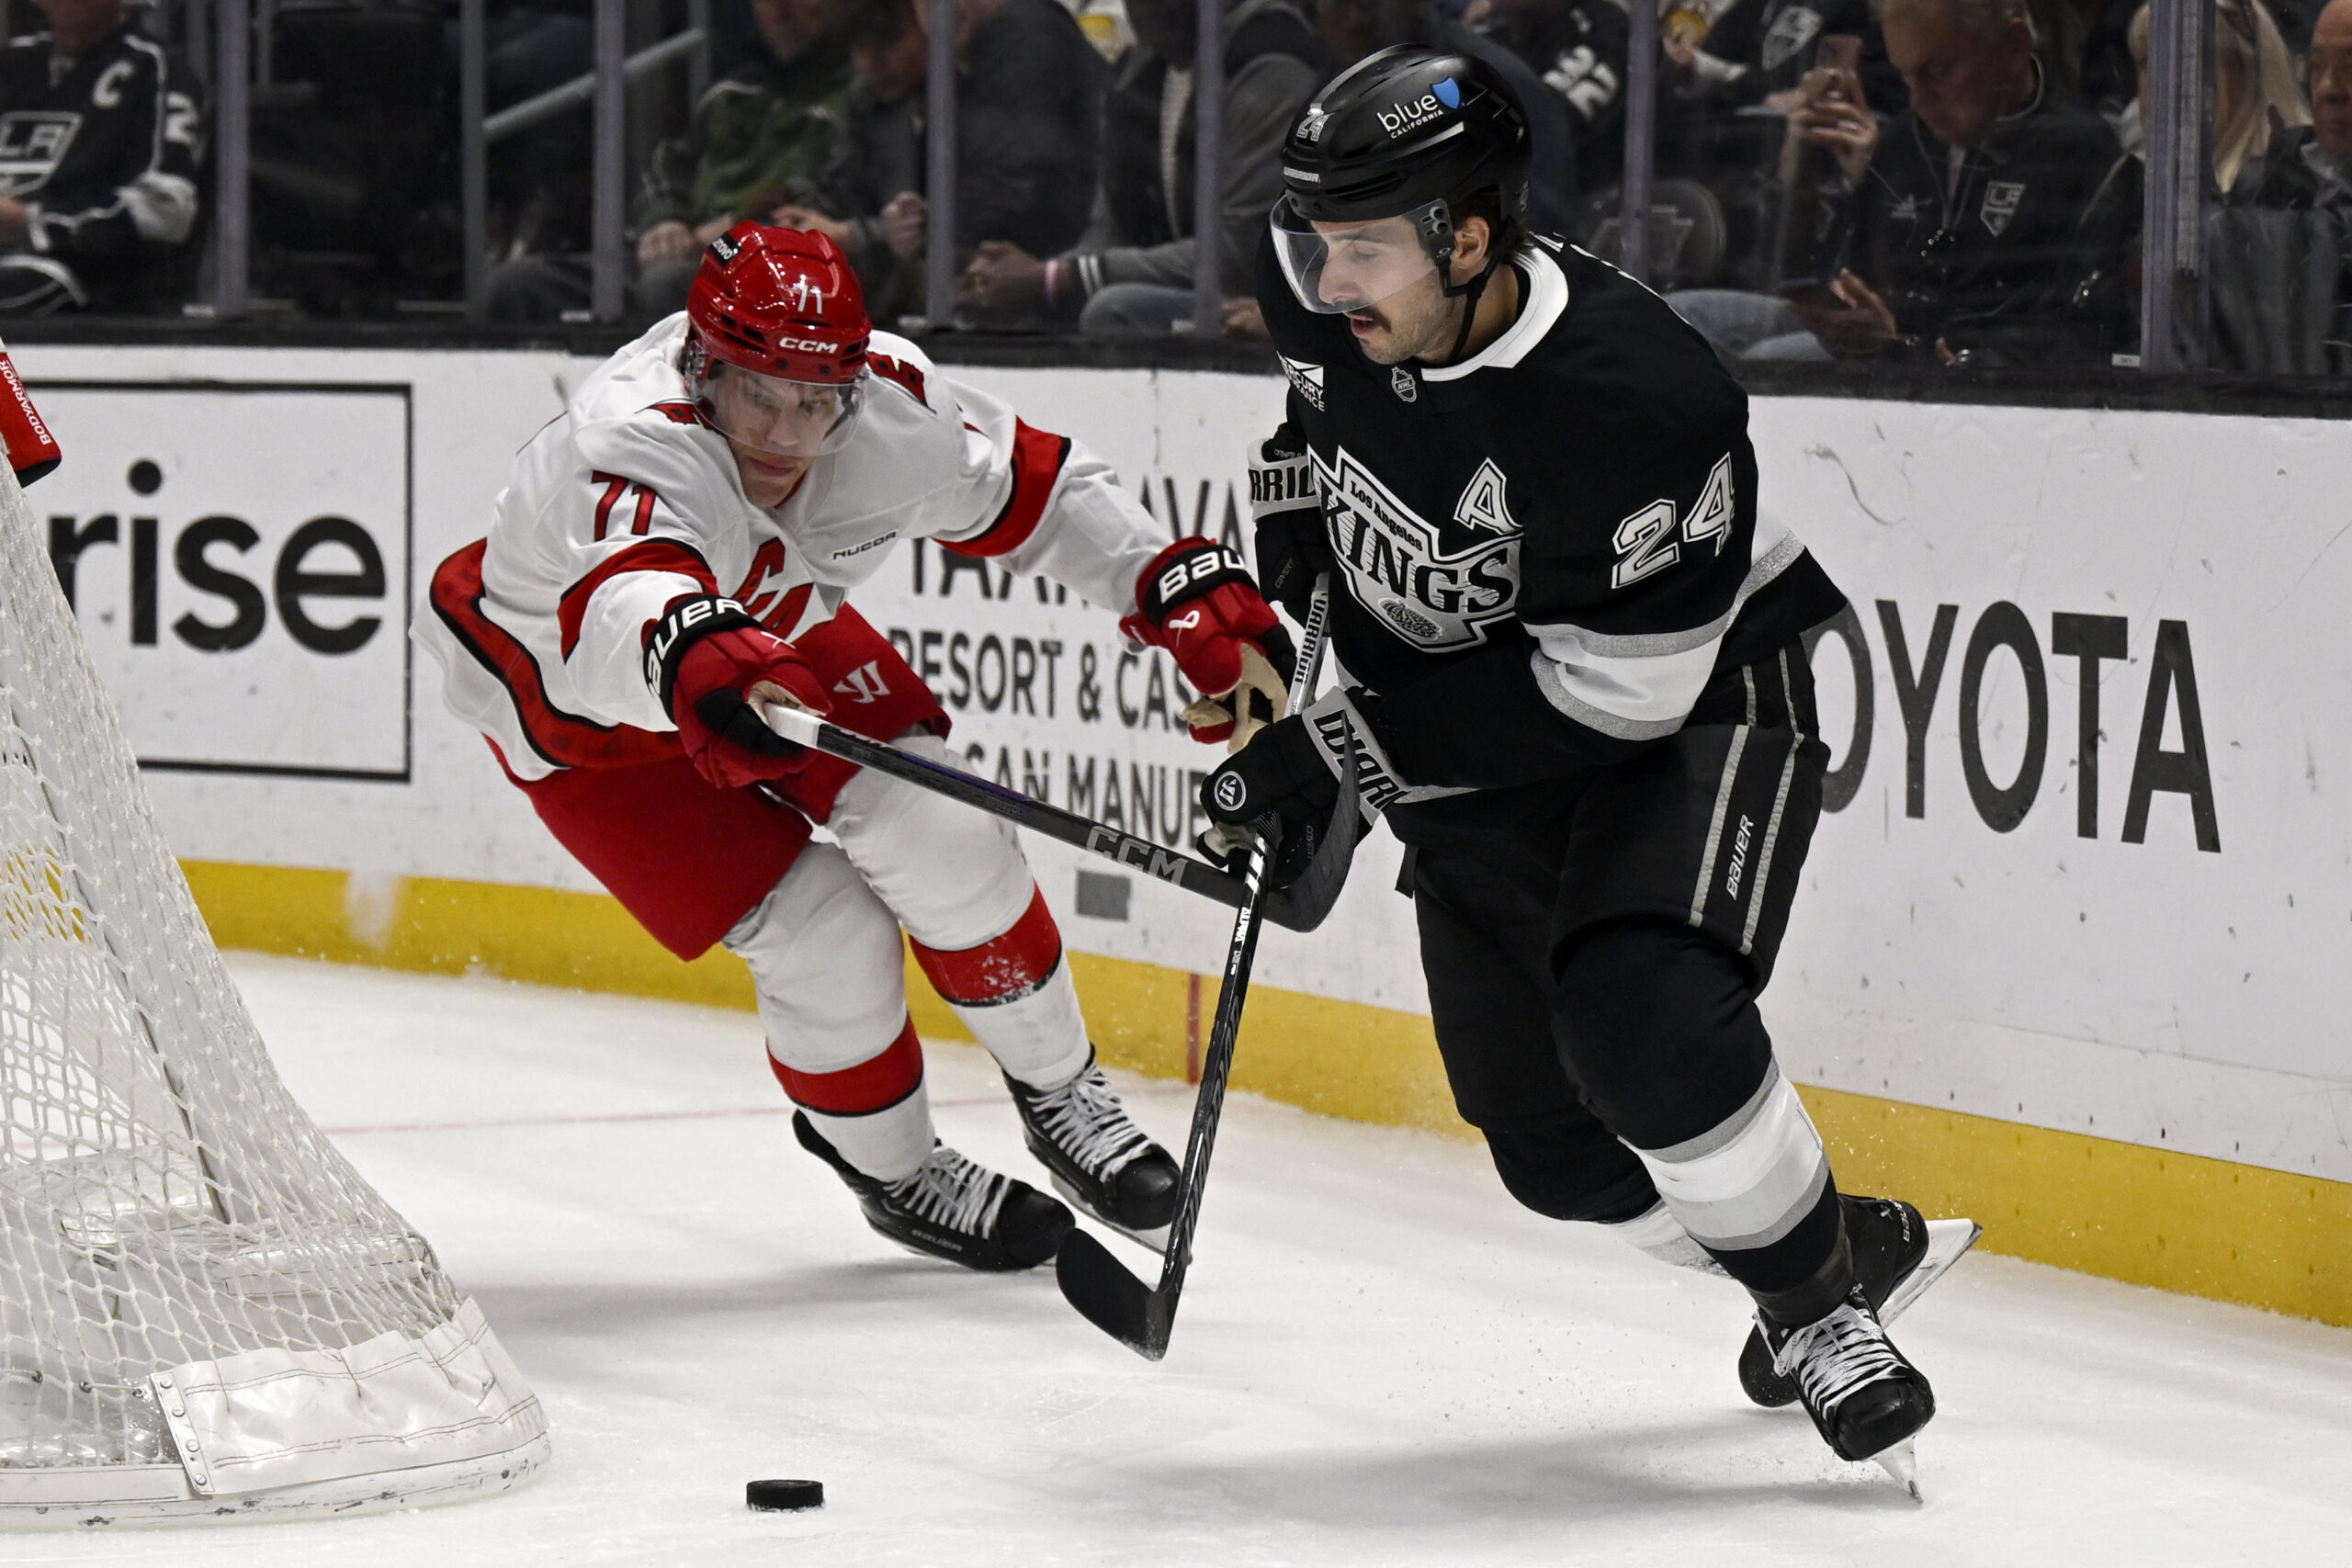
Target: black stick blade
1111,1298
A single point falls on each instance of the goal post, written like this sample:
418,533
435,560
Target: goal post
205,1311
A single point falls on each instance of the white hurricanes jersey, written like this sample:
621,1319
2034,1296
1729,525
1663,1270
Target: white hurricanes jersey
629,499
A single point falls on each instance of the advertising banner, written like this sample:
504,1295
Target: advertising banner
2089,864
239,556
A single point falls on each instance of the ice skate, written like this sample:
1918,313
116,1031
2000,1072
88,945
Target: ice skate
1099,1160
1865,1399
1897,1255
951,1207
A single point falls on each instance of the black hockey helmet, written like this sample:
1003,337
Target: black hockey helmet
1408,132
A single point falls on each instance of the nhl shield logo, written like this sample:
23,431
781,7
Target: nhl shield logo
1401,382
2002,199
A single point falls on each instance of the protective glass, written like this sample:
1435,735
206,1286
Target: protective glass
1341,267
785,419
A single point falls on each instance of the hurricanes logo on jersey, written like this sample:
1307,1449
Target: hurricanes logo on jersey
1400,566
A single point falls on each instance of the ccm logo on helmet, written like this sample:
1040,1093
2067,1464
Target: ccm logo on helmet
1398,119
807,345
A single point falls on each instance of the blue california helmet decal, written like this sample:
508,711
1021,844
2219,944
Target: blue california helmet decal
1449,93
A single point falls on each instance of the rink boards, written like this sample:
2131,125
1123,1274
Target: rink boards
2068,955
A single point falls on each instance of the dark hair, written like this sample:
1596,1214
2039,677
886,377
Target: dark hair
1504,236
871,24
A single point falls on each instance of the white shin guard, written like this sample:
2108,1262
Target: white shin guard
888,1145
1039,1038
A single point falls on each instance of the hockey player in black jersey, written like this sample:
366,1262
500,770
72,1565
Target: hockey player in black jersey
101,135
1581,699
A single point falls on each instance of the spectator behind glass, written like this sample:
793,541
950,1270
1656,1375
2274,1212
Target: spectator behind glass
761,137
1028,91
2276,230
1131,272
1354,28
1578,47
1758,52
1986,224
103,134
2326,147
2255,104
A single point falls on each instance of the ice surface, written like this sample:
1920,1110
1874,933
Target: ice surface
1380,1358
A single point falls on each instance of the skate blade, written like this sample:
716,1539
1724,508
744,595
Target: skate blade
1155,1240
1900,1461
1948,1242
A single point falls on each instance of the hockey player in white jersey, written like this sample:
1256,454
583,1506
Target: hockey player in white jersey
677,548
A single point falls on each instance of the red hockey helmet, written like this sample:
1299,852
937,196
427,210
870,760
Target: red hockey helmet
776,353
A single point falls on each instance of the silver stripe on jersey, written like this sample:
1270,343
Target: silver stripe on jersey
1641,687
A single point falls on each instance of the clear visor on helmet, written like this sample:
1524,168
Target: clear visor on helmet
1337,267
782,418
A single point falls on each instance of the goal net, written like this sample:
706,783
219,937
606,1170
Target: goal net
204,1310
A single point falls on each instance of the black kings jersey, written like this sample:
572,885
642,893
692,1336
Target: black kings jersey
1545,552
102,148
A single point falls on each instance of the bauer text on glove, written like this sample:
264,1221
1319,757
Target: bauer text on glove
709,662
1197,600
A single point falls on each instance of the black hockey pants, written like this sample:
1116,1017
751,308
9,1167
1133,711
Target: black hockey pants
1594,947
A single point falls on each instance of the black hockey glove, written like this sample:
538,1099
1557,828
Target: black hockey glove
1287,503
1281,772
1291,771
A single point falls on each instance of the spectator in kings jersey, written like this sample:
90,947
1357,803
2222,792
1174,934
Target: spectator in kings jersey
100,134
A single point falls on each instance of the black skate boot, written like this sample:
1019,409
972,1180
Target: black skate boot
951,1208
1865,1399
1099,1160
1897,1256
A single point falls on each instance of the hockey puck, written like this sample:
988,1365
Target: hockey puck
784,1494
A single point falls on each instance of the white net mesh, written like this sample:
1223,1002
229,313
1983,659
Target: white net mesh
163,1201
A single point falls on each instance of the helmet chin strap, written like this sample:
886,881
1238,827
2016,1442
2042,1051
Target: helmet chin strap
1469,294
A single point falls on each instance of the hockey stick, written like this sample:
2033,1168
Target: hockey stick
1100,1287
1172,866
1301,907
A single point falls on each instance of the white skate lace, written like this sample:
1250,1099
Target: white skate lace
1832,1357
948,1190
1086,1121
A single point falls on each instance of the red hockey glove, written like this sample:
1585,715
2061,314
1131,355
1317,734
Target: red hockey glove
709,661
1198,602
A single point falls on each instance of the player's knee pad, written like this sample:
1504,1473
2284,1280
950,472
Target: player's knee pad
1013,992
1568,1168
1658,1025
826,963
953,876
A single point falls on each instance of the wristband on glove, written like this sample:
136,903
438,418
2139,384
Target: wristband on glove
711,664
687,622
1197,602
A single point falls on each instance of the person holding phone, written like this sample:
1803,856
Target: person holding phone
1977,227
